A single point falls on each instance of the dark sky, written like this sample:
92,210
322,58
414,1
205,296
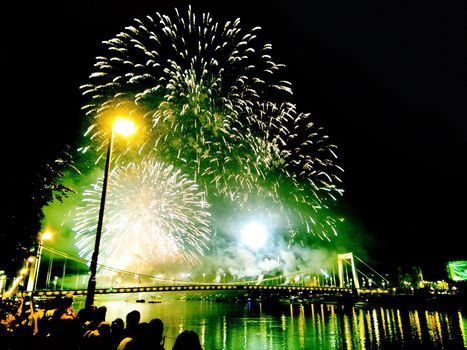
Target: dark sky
387,80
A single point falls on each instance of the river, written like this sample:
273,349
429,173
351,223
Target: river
255,325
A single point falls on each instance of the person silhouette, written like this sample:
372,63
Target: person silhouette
132,321
131,328
117,328
157,328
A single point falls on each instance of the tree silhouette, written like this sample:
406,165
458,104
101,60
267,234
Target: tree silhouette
22,221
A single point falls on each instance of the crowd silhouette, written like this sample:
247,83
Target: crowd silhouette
56,325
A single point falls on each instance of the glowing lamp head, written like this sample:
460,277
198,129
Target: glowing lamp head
254,235
46,235
124,127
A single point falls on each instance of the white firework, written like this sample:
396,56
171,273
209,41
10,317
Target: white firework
154,216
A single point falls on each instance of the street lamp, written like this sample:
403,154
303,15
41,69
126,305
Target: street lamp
30,268
32,283
124,127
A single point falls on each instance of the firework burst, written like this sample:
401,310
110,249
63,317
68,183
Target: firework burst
200,86
216,106
154,216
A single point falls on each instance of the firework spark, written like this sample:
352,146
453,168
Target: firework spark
154,215
217,107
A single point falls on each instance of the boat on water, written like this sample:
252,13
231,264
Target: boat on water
155,301
360,304
151,301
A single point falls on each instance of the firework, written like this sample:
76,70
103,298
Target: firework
200,86
154,215
300,179
216,106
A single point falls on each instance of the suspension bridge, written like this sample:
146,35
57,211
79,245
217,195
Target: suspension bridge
61,273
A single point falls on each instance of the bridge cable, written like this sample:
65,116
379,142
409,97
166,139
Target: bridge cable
371,268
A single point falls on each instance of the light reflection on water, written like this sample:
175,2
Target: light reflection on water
255,326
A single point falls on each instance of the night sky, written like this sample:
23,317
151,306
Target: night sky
386,80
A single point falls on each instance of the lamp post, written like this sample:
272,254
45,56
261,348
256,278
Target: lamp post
32,283
124,127
30,267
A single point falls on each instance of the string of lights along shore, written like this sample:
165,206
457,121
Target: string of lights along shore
223,170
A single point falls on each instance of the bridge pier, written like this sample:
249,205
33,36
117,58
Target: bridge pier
343,258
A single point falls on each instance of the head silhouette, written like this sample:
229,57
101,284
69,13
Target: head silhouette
132,319
187,340
157,328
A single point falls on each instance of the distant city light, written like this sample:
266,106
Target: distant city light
457,270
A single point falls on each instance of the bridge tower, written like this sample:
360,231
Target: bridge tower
343,258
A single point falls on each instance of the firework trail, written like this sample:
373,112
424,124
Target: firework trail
216,106
154,215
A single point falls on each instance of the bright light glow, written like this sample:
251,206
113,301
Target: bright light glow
254,235
124,127
46,235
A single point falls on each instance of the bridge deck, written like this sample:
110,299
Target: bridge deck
212,287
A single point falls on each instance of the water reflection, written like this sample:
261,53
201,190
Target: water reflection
313,326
